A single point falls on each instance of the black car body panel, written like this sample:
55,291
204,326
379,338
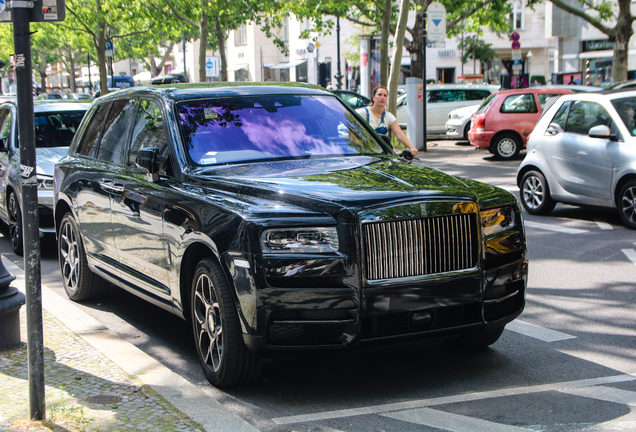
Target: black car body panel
416,255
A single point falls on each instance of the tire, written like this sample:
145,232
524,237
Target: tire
15,225
225,360
478,339
627,204
506,147
466,129
535,194
80,283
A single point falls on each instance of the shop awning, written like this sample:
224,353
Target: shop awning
288,65
596,54
239,66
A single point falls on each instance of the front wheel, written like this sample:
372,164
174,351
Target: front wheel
506,147
15,225
80,283
627,204
535,194
225,360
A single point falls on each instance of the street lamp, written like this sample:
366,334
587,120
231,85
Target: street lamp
528,57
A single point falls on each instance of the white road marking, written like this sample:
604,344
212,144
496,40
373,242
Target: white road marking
631,254
537,332
451,422
604,393
603,225
554,228
422,403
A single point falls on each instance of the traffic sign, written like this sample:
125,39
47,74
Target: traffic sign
515,37
109,48
436,22
516,45
44,11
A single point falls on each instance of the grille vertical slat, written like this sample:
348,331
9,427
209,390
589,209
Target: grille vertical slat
416,247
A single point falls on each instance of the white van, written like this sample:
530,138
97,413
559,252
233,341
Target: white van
442,99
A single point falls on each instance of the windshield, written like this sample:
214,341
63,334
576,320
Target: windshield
56,129
626,108
219,131
485,104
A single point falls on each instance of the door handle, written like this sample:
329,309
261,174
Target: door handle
111,186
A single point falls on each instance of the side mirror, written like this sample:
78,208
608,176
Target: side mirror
148,158
386,138
554,129
600,131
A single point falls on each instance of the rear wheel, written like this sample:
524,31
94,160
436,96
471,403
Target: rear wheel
15,225
535,194
506,147
627,204
466,130
80,283
225,360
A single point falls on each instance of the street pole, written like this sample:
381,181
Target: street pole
30,220
424,76
338,76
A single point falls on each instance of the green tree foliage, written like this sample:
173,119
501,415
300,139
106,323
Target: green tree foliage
612,17
115,20
474,48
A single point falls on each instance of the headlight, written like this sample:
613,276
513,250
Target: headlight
499,219
454,116
45,182
300,240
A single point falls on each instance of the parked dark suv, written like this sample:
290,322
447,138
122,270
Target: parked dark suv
276,220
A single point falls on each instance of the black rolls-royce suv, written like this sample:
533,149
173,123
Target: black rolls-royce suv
275,220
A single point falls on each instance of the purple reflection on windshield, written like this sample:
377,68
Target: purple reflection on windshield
265,127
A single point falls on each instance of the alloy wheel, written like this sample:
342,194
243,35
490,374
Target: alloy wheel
207,316
15,223
69,252
533,192
628,204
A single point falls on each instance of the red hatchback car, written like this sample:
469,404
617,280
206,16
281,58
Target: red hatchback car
505,119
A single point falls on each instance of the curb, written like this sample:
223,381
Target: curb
183,395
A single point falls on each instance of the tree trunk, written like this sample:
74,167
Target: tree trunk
203,41
154,71
397,56
101,58
221,40
73,83
623,32
384,48
415,47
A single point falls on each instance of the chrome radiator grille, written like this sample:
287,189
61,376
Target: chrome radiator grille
420,246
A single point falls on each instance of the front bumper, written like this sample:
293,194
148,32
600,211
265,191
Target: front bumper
310,314
455,127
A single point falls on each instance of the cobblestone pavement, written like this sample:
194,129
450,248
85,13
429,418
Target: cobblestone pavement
85,391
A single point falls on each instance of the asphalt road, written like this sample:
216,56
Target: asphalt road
568,363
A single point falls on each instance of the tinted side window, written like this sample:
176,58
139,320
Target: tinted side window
543,98
148,131
116,131
522,103
92,134
476,94
559,117
438,96
5,128
585,115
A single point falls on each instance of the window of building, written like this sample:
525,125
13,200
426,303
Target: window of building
285,30
516,17
240,36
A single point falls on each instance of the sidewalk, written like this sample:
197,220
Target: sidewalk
95,381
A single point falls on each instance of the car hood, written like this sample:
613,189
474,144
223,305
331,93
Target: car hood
47,157
346,181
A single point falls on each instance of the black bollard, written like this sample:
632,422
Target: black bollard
11,300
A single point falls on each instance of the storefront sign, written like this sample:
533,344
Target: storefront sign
446,53
597,45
